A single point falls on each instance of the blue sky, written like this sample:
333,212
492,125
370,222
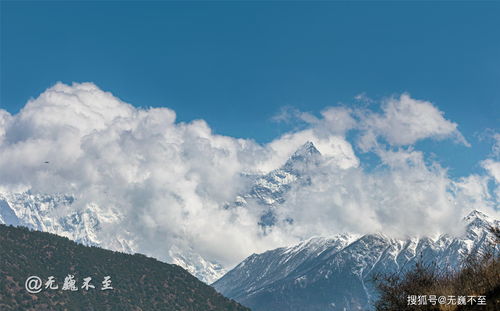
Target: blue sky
236,64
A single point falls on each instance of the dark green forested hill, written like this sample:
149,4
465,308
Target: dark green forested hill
139,282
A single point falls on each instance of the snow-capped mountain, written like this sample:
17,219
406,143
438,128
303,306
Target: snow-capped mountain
335,273
198,266
49,213
268,191
276,275
53,213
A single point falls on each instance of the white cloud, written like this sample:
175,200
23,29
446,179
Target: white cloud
5,118
496,145
473,193
362,97
493,168
404,121
333,146
169,180
409,197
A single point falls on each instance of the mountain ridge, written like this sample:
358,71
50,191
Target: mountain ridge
341,276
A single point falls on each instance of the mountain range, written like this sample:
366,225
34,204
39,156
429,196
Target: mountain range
53,213
49,213
321,273
336,273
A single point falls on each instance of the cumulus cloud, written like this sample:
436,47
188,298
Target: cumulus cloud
409,197
404,121
335,147
169,180
5,117
493,168
333,120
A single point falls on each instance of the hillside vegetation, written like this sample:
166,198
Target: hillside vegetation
478,276
139,282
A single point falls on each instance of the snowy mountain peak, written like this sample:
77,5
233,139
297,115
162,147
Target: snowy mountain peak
196,264
336,273
480,225
56,214
305,151
477,215
307,154
269,191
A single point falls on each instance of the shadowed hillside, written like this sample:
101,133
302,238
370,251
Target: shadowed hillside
139,282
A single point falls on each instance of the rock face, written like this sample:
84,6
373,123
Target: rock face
335,273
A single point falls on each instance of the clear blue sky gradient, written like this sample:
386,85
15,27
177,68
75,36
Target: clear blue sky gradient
235,64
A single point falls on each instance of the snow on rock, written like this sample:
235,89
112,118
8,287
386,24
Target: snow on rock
335,273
